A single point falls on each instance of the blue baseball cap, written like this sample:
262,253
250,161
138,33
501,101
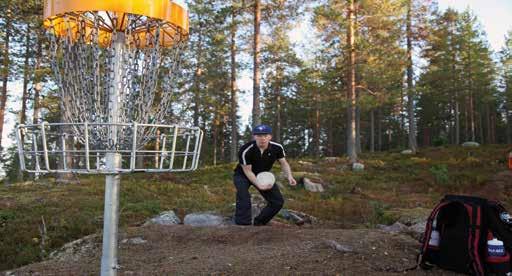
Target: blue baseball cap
261,129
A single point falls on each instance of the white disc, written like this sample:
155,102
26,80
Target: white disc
266,179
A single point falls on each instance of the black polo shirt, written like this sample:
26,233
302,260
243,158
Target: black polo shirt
250,154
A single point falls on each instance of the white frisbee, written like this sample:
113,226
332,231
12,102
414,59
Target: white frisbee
266,179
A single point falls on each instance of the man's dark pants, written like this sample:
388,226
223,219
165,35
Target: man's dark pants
243,214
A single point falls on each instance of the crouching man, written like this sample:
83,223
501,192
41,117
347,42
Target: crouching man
258,156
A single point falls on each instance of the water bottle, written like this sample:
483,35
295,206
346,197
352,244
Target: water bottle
432,254
495,248
434,239
498,259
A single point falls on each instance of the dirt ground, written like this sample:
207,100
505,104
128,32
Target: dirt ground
236,250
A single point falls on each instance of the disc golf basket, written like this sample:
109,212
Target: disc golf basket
114,63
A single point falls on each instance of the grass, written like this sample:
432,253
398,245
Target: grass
390,182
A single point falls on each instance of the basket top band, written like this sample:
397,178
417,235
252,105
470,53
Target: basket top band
171,14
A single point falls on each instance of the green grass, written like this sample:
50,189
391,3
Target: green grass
390,182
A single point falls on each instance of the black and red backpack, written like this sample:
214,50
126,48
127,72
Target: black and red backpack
457,233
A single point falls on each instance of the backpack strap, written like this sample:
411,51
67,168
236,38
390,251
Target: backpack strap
426,236
475,223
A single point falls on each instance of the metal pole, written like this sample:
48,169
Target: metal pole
109,263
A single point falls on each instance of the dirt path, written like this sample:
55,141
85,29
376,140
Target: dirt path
234,250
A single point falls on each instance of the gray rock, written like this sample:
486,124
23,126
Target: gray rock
165,218
297,217
332,159
417,230
312,186
397,227
470,144
358,167
338,247
406,152
136,240
203,219
305,163
77,250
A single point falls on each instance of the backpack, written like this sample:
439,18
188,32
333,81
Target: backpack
463,234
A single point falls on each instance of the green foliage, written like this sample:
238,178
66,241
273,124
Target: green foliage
379,214
440,173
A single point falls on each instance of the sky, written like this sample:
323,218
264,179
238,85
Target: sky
494,15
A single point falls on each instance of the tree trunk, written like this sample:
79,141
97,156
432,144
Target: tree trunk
197,75
471,100
466,119
372,131
277,131
413,144
222,138
256,112
379,129
351,78
215,138
234,95
456,93
316,128
358,126
5,75
37,78
330,139
24,99
509,127
488,123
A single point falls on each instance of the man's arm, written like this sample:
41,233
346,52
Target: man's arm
287,171
250,175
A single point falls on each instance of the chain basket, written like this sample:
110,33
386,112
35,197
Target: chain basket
94,56
53,148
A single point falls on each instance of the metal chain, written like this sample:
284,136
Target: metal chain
83,70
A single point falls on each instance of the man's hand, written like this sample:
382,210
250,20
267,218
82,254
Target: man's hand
263,187
287,171
292,181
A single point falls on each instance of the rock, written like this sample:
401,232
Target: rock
207,190
203,219
299,218
332,159
397,227
298,175
358,167
338,247
165,218
470,144
312,186
407,152
417,230
409,216
76,250
356,190
258,203
305,163
136,240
